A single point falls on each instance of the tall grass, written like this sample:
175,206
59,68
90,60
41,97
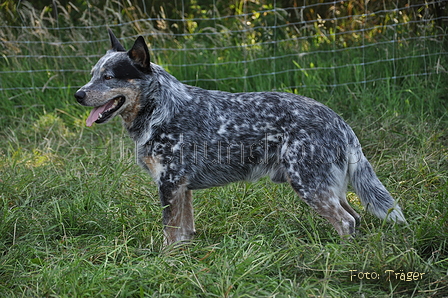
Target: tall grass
78,218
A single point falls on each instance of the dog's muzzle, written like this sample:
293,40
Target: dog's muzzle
101,113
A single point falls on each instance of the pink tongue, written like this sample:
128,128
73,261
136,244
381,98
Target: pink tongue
97,111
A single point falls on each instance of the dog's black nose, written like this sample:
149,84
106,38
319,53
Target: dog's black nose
80,95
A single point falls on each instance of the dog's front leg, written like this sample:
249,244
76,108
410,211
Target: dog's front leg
178,219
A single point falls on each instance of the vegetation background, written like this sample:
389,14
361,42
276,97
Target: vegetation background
78,218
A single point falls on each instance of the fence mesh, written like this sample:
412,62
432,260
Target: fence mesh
319,45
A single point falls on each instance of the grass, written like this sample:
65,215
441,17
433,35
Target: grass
78,218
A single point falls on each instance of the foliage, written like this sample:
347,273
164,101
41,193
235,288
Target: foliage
354,13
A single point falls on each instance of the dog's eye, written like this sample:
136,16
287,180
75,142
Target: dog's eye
106,77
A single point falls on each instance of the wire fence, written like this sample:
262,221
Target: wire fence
277,47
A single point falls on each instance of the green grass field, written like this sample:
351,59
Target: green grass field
79,218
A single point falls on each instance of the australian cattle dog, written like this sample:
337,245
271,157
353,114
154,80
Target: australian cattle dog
190,138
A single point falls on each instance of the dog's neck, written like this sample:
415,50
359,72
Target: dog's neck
164,97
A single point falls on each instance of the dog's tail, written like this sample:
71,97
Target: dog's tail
374,196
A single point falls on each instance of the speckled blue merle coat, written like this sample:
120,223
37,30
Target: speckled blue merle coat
190,138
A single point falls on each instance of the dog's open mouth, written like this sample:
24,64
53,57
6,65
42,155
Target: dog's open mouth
104,112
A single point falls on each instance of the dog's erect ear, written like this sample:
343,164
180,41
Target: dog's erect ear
115,44
140,55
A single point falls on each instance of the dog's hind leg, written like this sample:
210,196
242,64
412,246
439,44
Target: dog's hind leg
342,194
178,218
349,209
328,203
329,207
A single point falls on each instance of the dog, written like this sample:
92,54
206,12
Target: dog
189,138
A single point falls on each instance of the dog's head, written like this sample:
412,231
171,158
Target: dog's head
115,80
